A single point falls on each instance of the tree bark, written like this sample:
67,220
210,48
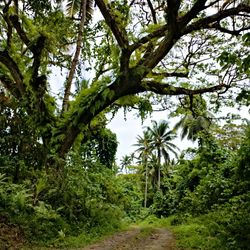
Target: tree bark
159,169
146,184
69,80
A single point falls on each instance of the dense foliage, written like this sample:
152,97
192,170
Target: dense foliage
64,65
209,192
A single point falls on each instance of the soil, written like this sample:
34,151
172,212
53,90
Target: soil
11,237
135,239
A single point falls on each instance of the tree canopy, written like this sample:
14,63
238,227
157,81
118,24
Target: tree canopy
132,53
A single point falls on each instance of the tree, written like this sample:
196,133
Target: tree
196,119
161,142
144,149
84,8
137,48
230,135
126,161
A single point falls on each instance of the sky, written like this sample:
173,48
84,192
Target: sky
127,131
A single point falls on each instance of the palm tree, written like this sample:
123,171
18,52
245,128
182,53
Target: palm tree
84,8
161,139
192,126
125,162
74,6
144,150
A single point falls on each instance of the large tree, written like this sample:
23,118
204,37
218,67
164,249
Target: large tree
169,48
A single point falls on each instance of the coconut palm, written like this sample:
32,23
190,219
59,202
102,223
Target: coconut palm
125,162
84,8
74,6
161,139
144,149
192,126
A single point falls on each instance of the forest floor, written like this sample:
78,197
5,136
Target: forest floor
137,239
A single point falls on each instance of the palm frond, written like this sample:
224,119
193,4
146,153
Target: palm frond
73,7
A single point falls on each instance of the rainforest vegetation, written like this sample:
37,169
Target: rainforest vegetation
68,67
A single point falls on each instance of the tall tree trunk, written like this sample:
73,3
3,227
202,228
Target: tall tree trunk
159,169
65,104
146,184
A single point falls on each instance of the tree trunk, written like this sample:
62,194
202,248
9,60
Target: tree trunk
146,184
159,169
65,104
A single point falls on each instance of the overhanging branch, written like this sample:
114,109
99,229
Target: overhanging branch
160,32
166,89
170,74
217,26
209,21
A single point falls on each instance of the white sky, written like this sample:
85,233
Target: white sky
127,131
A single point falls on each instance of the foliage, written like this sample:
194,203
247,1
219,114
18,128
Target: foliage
19,146
155,143
57,163
131,53
89,198
209,198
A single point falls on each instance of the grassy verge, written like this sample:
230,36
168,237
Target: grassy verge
190,233
212,231
86,237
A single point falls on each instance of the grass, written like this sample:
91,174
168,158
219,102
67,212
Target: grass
194,236
190,233
205,232
81,240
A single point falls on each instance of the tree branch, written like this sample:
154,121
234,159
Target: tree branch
10,86
207,22
172,13
153,13
166,89
197,7
170,74
119,32
172,35
37,52
8,62
19,29
164,47
38,83
217,26
160,32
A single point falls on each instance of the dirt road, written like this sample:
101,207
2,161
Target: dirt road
137,239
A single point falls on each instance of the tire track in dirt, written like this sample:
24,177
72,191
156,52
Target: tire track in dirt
156,239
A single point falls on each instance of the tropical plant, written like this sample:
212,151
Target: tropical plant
196,119
160,141
84,7
192,127
126,161
144,149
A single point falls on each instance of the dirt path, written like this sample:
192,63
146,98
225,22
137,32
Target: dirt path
137,239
